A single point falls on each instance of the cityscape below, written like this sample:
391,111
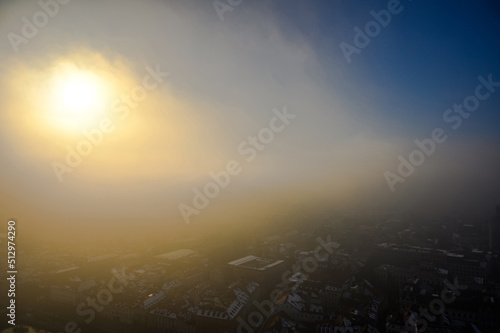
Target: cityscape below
351,272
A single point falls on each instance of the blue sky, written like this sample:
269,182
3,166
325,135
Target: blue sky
427,58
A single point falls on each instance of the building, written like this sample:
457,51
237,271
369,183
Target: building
73,292
266,272
494,231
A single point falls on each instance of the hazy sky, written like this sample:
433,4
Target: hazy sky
227,79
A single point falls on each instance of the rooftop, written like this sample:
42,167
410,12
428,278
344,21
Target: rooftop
255,263
174,255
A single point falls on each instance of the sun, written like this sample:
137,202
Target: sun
78,97
78,92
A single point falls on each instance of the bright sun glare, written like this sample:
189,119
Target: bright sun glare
77,93
78,97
